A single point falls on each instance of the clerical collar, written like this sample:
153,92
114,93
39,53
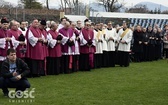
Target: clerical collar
96,30
78,28
109,28
124,29
23,29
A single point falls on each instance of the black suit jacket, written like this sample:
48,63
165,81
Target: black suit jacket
22,68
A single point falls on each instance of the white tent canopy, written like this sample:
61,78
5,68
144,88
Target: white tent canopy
75,18
128,15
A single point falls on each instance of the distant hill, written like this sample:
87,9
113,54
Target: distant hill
153,6
150,5
97,7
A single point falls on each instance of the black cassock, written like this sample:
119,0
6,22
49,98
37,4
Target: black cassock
137,47
151,46
145,47
158,46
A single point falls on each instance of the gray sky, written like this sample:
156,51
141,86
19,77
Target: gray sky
133,2
128,2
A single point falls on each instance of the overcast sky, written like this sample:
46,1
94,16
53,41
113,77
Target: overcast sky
133,2
128,2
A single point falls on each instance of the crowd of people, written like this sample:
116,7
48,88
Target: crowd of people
150,43
52,48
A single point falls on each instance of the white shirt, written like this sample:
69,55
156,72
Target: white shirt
23,32
127,38
111,43
98,36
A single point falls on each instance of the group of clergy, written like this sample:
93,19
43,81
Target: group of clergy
52,49
150,43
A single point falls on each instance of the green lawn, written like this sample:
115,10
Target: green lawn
140,84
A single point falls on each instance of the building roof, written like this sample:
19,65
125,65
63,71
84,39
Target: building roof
75,18
128,15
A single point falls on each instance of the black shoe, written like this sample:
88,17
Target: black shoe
126,65
121,65
5,92
35,75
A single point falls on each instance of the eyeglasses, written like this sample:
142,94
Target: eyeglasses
88,25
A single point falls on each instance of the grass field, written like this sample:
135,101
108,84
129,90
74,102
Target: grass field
140,84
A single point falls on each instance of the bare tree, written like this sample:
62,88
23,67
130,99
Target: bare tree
62,5
73,5
47,4
165,12
76,6
4,4
111,5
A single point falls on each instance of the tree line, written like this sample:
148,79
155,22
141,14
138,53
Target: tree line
77,6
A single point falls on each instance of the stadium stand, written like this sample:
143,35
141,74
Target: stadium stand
134,19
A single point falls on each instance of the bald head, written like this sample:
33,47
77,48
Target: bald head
14,25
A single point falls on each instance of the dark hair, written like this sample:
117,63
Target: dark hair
4,20
93,24
11,50
78,21
21,22
63,19
86,20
